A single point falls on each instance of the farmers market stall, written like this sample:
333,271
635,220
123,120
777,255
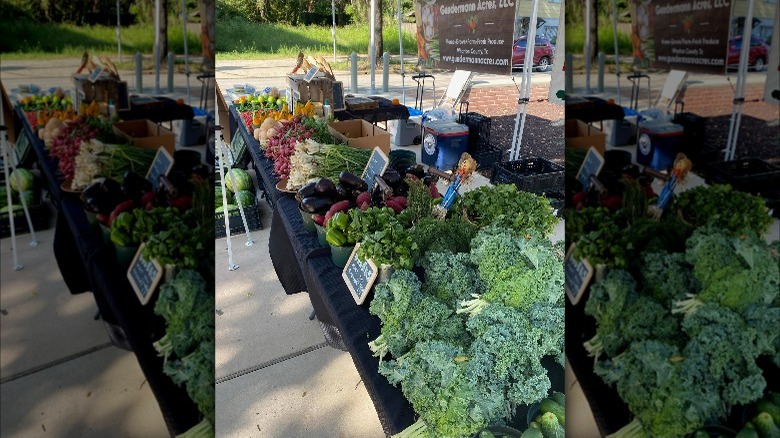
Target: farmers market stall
99,228
678,279
303,262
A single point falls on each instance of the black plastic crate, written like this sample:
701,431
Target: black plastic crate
252,213
479,130
535,175
38,213
487,156
750,175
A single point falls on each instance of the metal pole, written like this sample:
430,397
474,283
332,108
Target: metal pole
333,29
617,57
353,72
401,50
739,97
139,60
186,52
600,78
587,46
157,46
525,86
569,74
171,67
385,72
372,49
118,32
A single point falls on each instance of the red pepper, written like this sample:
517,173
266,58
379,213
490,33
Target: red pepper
127,205
182,203
394,205
147,198
434,191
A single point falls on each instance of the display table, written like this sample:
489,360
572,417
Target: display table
156,109
384,112
87,264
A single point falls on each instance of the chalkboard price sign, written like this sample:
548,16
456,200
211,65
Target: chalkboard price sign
578,276
22,147
590,166
338,96
359,276
161,165
376,166
238,148
310,74
144,276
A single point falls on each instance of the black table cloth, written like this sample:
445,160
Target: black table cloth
384,112
592,109
163,109
88,264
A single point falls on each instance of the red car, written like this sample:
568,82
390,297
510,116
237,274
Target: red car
543,53
757,57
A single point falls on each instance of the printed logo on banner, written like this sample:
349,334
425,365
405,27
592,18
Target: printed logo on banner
473,35
687,35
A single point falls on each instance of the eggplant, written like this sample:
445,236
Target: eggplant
315,204
202,170
306,191
100,204
90,191
417,170
401,189
325,187
343,193
135,183
110,186
352,181
392,177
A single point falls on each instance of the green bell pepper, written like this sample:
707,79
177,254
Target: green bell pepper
335,237
120,237
125,221
340,220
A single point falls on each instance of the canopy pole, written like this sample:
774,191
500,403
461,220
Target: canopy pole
401,50
186,55
372,49
525,85
333,29
739,95
617,56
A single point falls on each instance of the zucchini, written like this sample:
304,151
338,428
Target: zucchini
559,397
549,405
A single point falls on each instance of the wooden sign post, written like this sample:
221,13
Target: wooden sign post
359,276
376,166
144,276
578,275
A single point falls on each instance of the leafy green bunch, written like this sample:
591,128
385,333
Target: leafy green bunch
505,206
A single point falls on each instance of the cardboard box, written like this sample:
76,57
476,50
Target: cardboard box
361,134
147,134
582,135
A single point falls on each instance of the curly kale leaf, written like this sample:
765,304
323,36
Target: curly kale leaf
450,277
667,276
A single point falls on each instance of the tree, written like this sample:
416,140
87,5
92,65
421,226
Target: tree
378,43
207,24
594,29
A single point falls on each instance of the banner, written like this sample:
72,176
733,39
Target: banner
684,35
472,35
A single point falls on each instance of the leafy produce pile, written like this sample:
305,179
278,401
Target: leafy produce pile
312,160
281,146
467,343
64,139
188,344
684,313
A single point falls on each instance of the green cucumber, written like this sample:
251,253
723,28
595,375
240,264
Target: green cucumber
549,405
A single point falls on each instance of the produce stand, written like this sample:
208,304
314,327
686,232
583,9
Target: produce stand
87,264
302,264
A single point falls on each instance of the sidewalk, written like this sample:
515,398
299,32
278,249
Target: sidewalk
60,375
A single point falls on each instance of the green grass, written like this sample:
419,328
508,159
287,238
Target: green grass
238,38
575,40
23,38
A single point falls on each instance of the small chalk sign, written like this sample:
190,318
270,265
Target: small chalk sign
161,165
22,147
95,74
310,74
578,275
338,96
359,276
144,276
591,166
376,166
238,148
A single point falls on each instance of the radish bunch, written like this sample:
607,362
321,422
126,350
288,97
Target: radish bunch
281,146
66,146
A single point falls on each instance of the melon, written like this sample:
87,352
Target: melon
22,180
246,197
242,179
